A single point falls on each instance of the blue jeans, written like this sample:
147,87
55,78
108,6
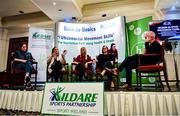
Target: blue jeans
25,66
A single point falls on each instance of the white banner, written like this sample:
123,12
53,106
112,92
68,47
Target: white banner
73,99
40,45
72,37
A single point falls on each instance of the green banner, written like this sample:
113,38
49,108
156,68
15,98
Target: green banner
135,30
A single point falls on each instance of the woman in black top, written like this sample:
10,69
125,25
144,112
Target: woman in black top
105,63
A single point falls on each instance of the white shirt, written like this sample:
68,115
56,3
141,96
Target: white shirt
51,61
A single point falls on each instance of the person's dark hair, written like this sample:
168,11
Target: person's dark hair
21,44
53,49
112,46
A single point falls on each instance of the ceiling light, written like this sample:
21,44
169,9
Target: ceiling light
54,3
104,15
173,8
74,18
21,12
176,2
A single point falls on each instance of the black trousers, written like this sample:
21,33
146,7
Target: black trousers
128,64
131,62
109,65
56,68
81,69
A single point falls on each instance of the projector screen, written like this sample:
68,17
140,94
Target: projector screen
165,29
73,36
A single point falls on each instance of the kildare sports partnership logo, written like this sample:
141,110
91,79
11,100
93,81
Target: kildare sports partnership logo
60,97
56,93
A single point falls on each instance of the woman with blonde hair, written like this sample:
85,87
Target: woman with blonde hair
82,62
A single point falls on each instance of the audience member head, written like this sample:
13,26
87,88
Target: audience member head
23,47
55,51
149,36
105,49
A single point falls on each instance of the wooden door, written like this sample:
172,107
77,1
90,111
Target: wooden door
13,46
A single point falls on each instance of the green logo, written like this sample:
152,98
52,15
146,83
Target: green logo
57,94
37,35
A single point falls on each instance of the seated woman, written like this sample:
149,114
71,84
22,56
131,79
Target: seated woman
23,60
114,52
82,61
55,63
105,62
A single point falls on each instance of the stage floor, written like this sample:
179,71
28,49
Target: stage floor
116,89
147,89
116,103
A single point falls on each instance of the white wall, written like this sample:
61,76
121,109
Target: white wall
4,44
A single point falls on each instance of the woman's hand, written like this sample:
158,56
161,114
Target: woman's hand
86,65
75,62
64,53
23,61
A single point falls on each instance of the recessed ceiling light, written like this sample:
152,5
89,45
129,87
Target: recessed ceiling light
54,3
104,15
21,12
74,18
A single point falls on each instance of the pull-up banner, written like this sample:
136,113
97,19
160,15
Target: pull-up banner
72,37
40,45
135,31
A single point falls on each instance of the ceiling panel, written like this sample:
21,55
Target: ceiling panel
85,2
86,9
67,8
12,7
128,8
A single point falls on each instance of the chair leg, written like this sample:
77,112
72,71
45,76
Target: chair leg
118,81
35,80
67,80
159,75
166,79
71,78
137,78
140,81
